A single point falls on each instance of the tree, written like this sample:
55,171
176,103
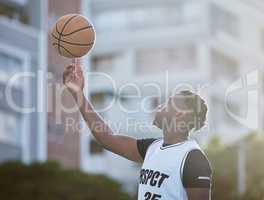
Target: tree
49,182
224,164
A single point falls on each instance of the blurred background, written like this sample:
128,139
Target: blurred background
214,47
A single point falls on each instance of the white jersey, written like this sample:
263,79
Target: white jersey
161,173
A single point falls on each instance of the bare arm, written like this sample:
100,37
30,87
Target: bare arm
198,193
122,145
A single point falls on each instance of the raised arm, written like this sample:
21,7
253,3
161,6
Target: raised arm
122,145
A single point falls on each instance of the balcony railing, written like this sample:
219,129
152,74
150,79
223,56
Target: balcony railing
19,35
98,6
153,17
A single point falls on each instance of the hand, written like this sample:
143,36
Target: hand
73,78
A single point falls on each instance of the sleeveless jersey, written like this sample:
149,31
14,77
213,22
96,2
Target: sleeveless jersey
161,173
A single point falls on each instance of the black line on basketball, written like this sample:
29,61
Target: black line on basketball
64,26
60,46
72,43
81,29
57,30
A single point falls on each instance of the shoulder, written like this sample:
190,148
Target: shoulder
197,171
143,145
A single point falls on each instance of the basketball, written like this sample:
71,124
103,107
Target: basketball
73,36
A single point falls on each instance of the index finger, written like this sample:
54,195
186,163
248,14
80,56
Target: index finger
78,64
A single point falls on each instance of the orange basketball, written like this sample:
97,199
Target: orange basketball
73,36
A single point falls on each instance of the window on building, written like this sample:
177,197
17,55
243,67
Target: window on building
107,63
10,127
223,21
100,101
171,59
102,63
95,148
9,66
223,67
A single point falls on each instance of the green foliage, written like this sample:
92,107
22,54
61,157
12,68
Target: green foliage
224,164
255,168
224,173
49,182
6,9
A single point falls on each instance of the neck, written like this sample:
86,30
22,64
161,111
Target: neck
173,138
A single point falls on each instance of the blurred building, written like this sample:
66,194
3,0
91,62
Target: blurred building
144,51
22,82
207,44
63,133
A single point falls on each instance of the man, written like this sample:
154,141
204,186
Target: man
174,167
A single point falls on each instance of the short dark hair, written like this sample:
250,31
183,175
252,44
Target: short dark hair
199,108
